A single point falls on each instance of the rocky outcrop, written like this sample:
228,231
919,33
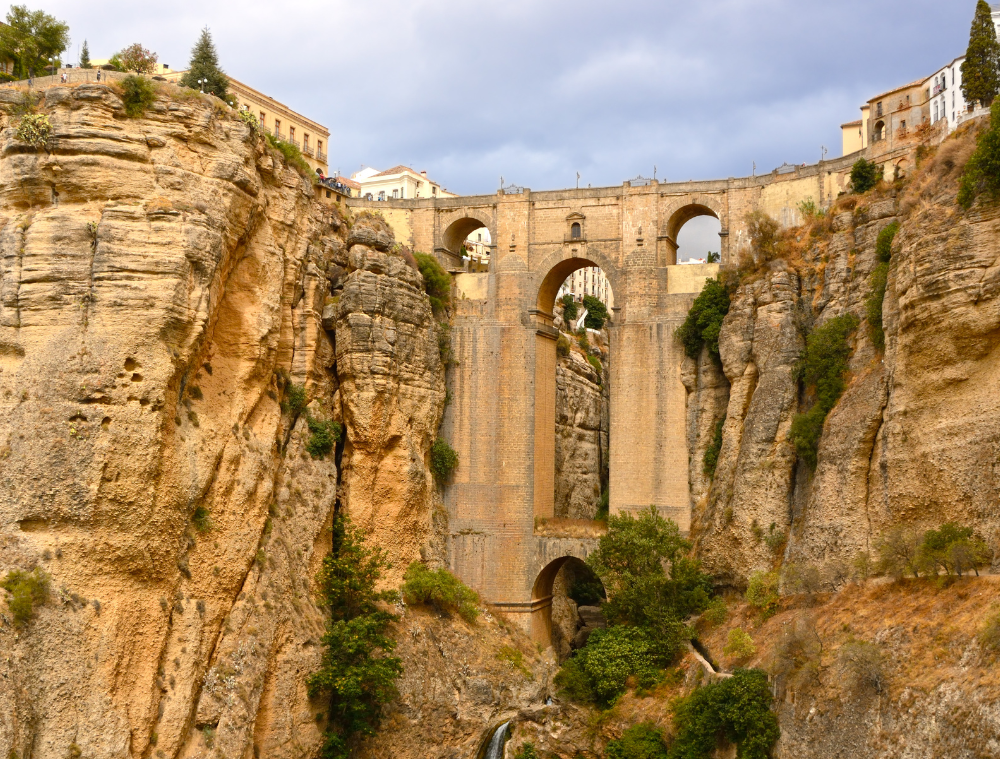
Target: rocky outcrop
914,440
582,424
163,286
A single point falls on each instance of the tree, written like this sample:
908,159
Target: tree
651,581
704,320
982,172
135,58
85,56
357,675
597,313
31,39
205,65
569,309
981,68
864,176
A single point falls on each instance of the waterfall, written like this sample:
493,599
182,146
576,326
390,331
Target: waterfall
495,749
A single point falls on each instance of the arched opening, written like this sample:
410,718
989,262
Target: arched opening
575,231
573,348
879,133
470,242
565,605
698,229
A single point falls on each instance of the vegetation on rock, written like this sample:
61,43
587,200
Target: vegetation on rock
30,39
951,549
982,172
357,676
864,176
981,67
823,369
437,281
28,590
35,129
642,741
205,65
704,321
597,313
710,460
137,95
441,589
570,311
762,592
599,672
737,708
292,155
444,460
879,281
739,645
135,58
324,435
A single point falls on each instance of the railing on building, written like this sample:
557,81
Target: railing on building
331,183
640,181
512,189
320,155
307,149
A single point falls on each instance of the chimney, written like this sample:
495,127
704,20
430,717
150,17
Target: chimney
423,174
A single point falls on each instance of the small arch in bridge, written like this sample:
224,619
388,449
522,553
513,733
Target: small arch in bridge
554,587
676,222
458,231
549,288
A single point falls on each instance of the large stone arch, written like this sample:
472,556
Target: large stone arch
454,227
542,595
682,210
554,269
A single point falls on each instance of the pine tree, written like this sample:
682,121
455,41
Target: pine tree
85,56
981,69
205,65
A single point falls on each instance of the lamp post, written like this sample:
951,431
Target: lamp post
202,83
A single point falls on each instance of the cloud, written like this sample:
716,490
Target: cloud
537,90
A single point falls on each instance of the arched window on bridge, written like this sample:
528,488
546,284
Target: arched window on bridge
576,231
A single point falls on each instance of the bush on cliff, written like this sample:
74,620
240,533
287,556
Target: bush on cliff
710,460
440,589
137,95
982,172
597,312
27,590
864,176
598,673
879,281
704,321
823,369
292,155
570,311
35,129
324,435
437,281
642,741
357,675
737,709
444,460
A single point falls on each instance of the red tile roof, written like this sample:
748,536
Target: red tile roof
395,170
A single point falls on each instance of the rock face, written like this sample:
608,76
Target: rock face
582,425
163,283
915,439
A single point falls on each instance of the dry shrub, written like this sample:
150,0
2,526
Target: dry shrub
795,659
862,665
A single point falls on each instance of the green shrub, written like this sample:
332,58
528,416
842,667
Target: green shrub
883,243
292,155
570,311
527,751
295,399
137,95
898,553
28,590
823,368
762,592
440,589
704,321
595,364
630,560
809,209
444,342
711,458
444,460
982,172
642,741
597,313
864,176
437,282
324,435
201,519
737,708
562,346
739,644
599,671
357,675
879,280
775,539
717,612
989,633
35,129
603,506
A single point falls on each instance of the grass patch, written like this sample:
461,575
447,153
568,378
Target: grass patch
201,519
292,155
440,589
28,590
513,657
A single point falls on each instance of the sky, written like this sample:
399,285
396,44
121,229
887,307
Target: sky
538,90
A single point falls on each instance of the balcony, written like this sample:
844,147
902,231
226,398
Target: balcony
293,141
938,89
307,149
320,155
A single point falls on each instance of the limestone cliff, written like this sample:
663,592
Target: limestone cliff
914,440
163,283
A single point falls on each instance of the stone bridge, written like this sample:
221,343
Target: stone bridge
501,418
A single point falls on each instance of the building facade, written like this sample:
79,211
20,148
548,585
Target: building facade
397,183
588,281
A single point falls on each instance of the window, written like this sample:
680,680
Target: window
395,194
878,109
935,112
328,193
879,131
575,231
305,140
434,190
319,146
479,237
291,134
381,195
902,127
277,127
262,118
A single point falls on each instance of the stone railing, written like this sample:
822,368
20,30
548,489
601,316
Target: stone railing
307,149
320,155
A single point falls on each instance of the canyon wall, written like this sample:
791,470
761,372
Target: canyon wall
163,352
915,439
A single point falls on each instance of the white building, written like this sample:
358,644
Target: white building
944,90
397,183
588,281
